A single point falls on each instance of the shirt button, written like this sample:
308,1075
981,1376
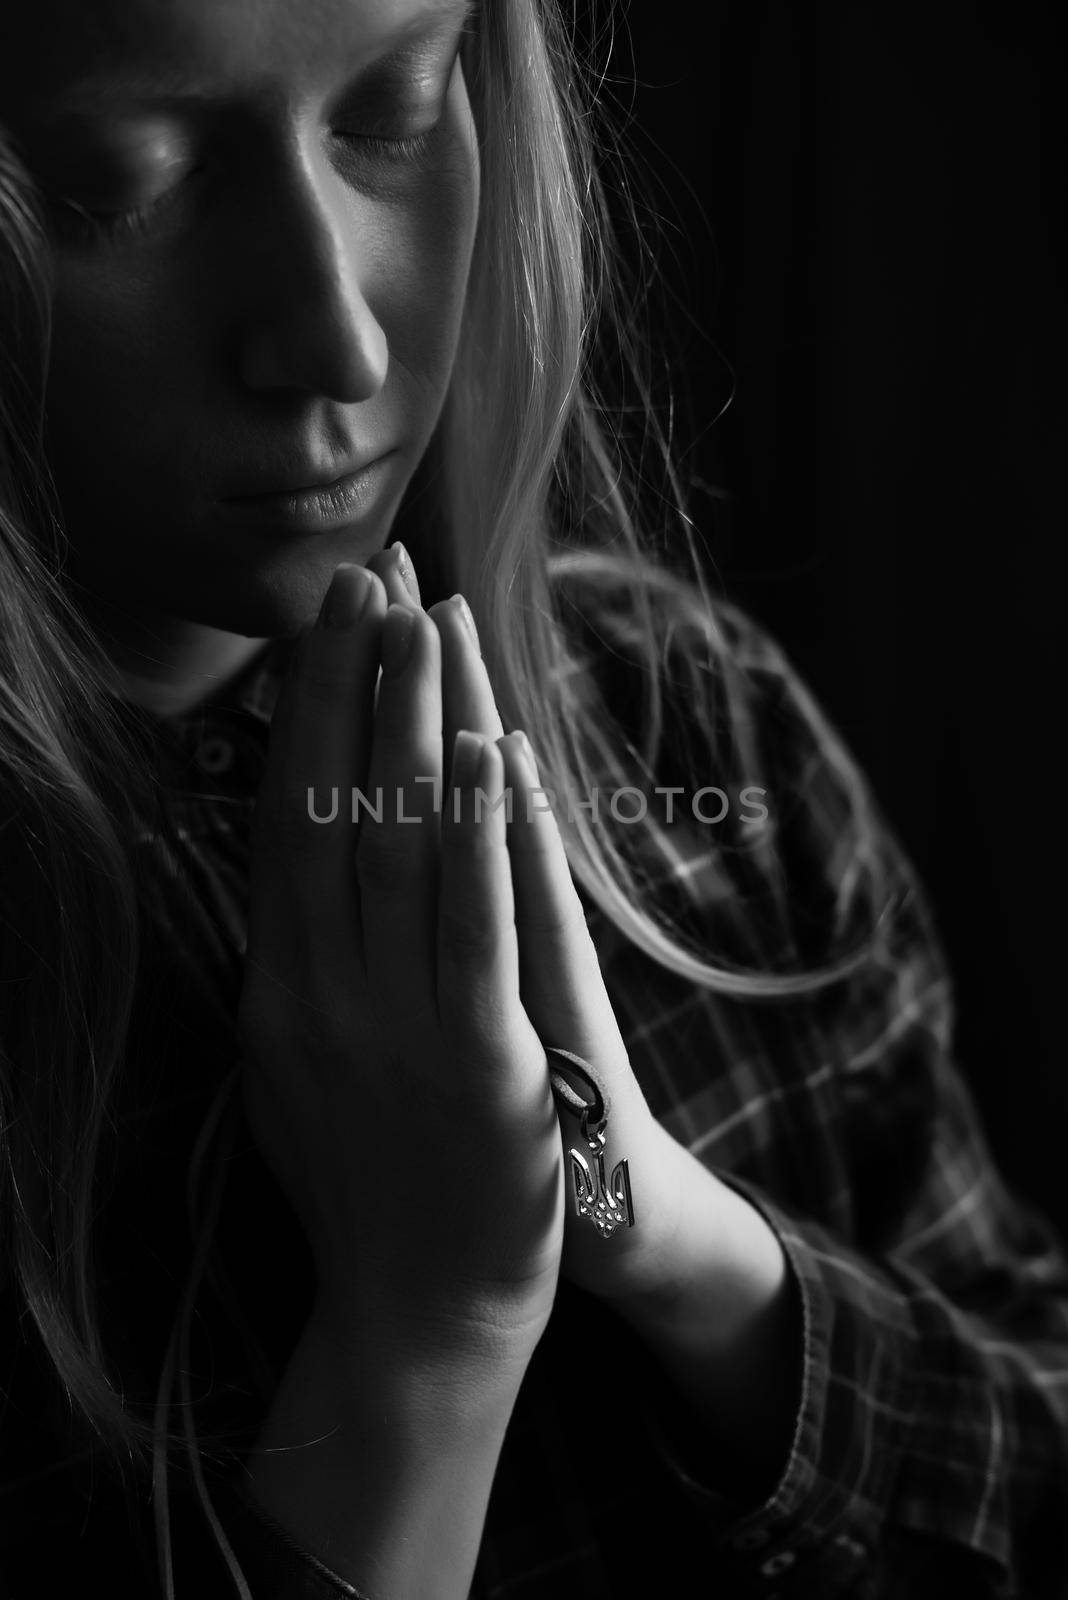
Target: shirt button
215,755
778,1563
851,1547
751,1539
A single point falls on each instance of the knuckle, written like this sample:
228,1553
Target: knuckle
476,835
399,748
550,924
466,940
385,860
323,684
473,1028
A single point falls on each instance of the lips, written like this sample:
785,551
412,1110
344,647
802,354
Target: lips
310,507
302,480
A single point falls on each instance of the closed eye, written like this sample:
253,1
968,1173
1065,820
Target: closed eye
73,217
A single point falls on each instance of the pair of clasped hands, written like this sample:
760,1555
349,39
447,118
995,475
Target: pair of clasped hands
402,982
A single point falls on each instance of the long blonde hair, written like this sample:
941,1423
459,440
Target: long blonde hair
69,780
544,526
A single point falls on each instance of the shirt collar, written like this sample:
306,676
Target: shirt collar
216,751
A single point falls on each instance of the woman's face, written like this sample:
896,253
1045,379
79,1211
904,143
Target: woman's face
259,281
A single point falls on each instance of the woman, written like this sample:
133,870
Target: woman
290,291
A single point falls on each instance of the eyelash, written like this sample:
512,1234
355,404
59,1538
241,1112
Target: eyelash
137,222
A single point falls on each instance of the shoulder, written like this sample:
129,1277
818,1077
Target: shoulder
786,862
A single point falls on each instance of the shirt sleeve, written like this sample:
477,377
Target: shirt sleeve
930,1450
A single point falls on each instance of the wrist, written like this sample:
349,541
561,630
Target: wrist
722,1316
713,1264
426,1355
379,1459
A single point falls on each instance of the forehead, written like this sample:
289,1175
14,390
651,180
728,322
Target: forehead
51,49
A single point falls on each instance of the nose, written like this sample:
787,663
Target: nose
308,324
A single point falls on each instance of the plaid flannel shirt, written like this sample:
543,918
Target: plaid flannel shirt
930,1451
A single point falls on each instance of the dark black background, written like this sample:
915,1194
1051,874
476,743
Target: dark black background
861,240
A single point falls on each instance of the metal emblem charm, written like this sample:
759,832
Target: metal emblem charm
606,1201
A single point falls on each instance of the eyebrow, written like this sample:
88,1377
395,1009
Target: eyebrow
144,87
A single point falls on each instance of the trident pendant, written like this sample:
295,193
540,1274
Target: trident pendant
607,1202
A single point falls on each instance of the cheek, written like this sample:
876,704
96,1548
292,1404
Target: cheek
123,357
419,270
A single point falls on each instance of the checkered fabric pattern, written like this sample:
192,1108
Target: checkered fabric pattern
930,1451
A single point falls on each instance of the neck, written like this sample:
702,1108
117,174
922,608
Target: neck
169,665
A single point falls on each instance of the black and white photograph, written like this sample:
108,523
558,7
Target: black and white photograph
532,855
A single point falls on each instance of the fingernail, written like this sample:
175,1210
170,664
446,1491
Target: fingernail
346,596
466,751
397,635
466,618
406,570
487,765
527,753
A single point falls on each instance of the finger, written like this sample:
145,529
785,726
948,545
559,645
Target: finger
467,695
394,566
398,849
318,749
562,988
478,971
